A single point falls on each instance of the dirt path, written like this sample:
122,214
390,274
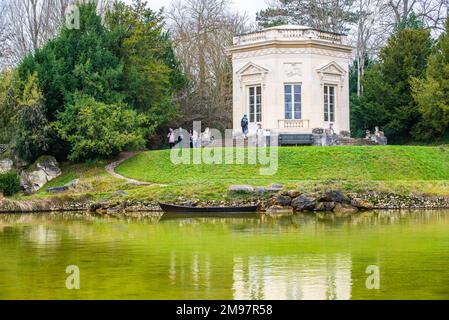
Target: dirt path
110,168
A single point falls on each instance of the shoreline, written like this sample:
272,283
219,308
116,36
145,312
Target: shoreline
331,201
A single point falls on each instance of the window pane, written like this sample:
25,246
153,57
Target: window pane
297,101
292,101
297,111
259,90
297,89
326,104
329,103
288,101
251,104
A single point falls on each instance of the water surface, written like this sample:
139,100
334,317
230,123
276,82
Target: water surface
250,257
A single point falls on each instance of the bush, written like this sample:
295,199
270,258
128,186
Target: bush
98,130
9,183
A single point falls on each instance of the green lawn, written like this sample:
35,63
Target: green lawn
388,163
397,169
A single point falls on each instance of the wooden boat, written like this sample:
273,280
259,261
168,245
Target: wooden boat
169,208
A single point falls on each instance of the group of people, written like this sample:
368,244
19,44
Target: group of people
196,139
199,140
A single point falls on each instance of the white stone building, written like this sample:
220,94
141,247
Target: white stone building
291,79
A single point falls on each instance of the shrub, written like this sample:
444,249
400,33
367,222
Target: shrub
9,183
98,130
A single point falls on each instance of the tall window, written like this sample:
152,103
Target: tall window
329,103
292,93
255,104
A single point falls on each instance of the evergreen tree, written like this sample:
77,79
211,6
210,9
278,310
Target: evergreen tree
151,72
332,15
31,131
387,100
126,63
432,93
9,92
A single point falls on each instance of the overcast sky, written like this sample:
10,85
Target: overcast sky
248,6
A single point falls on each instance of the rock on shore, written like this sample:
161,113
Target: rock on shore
45,169
338,202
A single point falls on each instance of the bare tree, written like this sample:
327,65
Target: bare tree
377,19
432,12
33,22
201,32
369,35
5,34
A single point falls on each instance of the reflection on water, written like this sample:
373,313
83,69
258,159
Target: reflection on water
41,235
309,277
150,256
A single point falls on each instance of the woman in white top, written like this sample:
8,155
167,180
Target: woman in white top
195,138
171,138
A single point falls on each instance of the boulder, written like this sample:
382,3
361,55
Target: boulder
342,208
260,191
241,189
72,184
293,193
335,196
277,186
320,206
362,204
6,165
69,186
283,200
304,203
42,171
329,206
325,206
55,190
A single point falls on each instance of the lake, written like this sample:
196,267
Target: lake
144,256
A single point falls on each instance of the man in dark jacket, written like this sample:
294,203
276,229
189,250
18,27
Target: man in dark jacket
244,124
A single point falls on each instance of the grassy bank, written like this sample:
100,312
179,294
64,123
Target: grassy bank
302,163
398,169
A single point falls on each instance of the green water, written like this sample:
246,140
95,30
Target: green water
252,257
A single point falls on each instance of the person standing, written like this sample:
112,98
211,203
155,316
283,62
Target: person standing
205,137
244,124
191,138
171,138
195,137
180,135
